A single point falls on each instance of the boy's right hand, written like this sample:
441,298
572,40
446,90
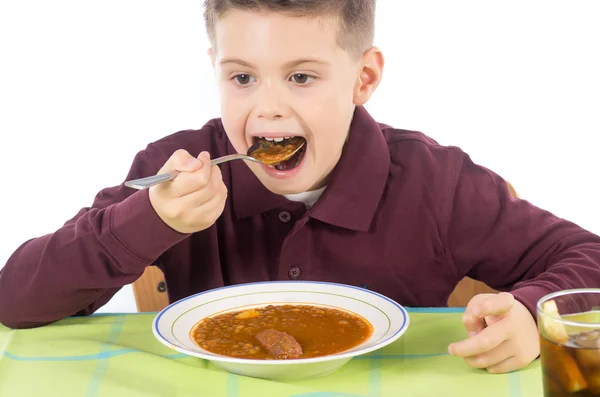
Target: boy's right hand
195,198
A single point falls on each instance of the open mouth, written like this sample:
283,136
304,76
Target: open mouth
283,153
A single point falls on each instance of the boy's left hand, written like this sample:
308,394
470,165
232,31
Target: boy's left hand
503,336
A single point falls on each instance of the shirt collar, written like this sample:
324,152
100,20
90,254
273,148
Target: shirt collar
354,189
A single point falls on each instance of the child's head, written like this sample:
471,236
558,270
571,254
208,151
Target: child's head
293,68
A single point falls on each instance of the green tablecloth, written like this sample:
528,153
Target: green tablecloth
117,355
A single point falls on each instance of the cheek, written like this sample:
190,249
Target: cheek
234,101
236,133
334,105
234,117
332,120
234,126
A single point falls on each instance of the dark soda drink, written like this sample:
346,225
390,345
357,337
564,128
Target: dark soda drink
572,369
569,326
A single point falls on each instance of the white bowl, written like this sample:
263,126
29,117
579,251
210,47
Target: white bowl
173,324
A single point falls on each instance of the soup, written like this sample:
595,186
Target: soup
275,153
281,332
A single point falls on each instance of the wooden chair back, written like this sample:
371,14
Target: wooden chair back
150,291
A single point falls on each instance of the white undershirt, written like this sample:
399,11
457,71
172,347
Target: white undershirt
308,198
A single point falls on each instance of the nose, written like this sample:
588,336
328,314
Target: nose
270,102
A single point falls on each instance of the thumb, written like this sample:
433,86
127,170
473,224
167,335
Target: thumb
495,305
181,160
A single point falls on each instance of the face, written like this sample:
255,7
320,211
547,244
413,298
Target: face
282,77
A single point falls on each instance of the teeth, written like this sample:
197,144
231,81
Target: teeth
278,139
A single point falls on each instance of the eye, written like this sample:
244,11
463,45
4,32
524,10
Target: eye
244,79
301,78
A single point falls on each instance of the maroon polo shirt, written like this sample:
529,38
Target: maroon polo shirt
401,215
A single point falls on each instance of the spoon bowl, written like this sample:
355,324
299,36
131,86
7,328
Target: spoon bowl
273,154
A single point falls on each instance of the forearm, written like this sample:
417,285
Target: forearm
511,245
575,264
79,267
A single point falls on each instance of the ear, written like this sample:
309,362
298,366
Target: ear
369,75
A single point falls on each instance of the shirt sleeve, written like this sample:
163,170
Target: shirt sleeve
510,244
79,267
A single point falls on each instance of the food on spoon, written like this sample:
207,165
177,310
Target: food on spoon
279,344
284,154
281,332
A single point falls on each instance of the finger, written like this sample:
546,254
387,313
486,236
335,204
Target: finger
198,217
492,357
484,341
216,177
212,209
508,365
213,187
496,305
189,182
477,310
182,161
474,324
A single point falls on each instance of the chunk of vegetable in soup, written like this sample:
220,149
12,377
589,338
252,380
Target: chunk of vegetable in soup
282,332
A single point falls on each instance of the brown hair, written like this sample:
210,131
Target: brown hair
356,17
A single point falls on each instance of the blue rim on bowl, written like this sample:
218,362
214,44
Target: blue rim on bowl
173,325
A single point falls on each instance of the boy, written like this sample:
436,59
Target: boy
363,204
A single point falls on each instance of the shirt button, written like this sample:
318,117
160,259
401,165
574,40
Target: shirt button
285,216
295,273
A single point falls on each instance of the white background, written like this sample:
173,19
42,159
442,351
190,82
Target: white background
86,84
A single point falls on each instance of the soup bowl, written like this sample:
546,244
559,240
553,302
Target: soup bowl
173,325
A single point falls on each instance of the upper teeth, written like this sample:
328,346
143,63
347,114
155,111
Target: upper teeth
274,139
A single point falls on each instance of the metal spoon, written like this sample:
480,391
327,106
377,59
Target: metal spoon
144,183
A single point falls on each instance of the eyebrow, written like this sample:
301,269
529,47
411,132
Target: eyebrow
289,65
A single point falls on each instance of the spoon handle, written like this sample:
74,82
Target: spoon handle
144,183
